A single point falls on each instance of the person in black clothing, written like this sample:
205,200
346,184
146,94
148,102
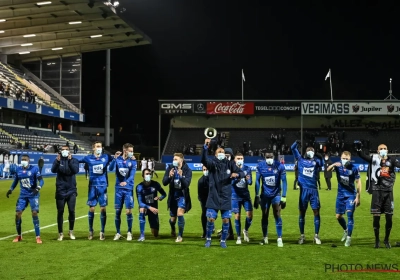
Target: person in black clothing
86,167
202,190
328,174
381,179
65,167
40,164
296,176
318,178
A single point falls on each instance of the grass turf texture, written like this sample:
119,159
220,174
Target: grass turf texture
162,258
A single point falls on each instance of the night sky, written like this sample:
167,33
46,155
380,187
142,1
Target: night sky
199,48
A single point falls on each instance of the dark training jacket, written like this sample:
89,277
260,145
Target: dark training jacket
65,181
220,181
185,183
203,188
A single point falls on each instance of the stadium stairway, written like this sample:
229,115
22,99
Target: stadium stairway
2,131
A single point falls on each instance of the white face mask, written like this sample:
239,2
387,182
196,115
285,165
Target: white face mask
24,163
205,172
383,153
239,162
64,153
310,154
344,162
130,154
147,178
221,156
269,161
175,163
98,151
326,158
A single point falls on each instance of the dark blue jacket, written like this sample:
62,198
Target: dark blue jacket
220,181
185,183
65,181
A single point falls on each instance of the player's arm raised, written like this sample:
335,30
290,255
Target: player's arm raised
73,165
295,152
209,164
56,164
332,166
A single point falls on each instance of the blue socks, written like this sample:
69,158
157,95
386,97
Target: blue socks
278,224
317,223
129,220
118,220
181,225
248,223
103,220
91,217
264,226
350,223
342,223
142,223
36,225
238,227
18,223
172,224
210,229
302,222
225,231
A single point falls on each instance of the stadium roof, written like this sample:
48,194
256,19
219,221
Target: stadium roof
32,30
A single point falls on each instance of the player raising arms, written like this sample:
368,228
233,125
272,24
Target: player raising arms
241,197
147,195
271,172
381,177
28,176
178,176
124,183
98,183
308,168
348,196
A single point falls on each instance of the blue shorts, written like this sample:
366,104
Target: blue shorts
212,213
22,203
309,196
344,204
266,201
97,195
238,204
123,196
175,204
153,220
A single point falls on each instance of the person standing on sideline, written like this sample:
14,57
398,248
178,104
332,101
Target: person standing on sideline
202,194
40,164
328,172
66,167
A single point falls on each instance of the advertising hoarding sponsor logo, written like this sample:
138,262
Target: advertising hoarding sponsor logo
230,108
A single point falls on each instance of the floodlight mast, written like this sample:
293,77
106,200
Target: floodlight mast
107,111
391,96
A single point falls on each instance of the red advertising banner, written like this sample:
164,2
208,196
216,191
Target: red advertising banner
230,108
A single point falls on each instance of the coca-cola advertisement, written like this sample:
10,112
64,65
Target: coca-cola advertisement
230,108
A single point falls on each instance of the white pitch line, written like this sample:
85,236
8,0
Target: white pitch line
32,230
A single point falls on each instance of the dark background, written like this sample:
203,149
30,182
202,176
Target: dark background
200,46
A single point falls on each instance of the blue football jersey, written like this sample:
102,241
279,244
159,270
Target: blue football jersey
28,179
307,169
271,177
125,172
346,180
240,187
146,194
98,169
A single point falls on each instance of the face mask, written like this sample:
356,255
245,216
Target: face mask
175,163
64,153
24,163
344,162
383,153
269,161
130,154
326,158
98,151
221,156
147,178
239,162
205,172
310,154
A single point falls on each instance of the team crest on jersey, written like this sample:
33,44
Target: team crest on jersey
349,172
313,163
29,173
152,189
103,160
129,164
245,173
269,169
275,171
228,171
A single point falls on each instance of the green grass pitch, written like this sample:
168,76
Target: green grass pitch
162,258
